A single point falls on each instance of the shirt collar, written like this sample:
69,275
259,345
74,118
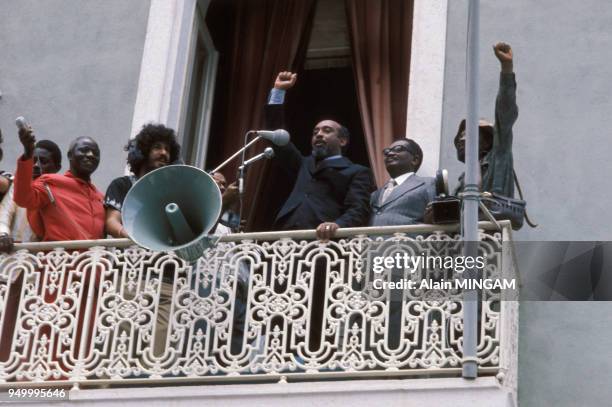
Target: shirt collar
69,174
333,157
400,179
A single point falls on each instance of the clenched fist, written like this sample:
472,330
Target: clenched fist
26,136
285,80
503,52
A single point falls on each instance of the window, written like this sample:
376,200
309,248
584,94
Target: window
199,91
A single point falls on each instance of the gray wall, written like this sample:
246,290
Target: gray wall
562,144
71,68
562,156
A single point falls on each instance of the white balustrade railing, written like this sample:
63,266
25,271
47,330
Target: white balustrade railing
95,312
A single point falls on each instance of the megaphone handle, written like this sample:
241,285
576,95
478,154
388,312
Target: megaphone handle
178,224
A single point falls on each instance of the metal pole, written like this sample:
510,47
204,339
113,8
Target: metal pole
224,163
471,193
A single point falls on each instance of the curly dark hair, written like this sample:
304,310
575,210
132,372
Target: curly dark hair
139,147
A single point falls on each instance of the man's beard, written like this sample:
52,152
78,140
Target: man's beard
320,152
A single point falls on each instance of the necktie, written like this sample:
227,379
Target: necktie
388,189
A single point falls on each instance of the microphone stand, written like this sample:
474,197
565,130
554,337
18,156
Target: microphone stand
241,169
242,150
241,172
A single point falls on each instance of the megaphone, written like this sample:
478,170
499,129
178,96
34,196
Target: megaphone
172,209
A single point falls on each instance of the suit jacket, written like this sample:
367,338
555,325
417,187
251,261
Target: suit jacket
406,203
335,190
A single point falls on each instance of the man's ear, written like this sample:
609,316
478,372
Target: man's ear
416,162
343,141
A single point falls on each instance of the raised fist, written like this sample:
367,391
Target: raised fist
26,136
285,80
503,52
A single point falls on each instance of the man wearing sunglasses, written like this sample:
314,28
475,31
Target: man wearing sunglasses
402,200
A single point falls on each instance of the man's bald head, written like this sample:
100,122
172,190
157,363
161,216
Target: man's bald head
84,156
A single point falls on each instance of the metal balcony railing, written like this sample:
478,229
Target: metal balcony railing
258,306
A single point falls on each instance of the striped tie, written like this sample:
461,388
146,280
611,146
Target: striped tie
388,189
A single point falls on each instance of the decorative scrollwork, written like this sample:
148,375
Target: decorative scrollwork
243,308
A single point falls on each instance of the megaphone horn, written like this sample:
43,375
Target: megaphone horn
173,208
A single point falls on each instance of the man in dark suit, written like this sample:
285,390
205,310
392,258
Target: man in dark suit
330,191
402,200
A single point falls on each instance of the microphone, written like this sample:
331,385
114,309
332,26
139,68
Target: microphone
21,123
267,154
279,137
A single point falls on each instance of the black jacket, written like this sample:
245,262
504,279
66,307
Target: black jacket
335,190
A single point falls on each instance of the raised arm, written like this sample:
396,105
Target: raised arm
506,110
275,114
288,156
28,194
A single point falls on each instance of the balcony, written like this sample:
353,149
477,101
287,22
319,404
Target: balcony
278,307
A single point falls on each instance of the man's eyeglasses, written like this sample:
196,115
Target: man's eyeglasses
396,149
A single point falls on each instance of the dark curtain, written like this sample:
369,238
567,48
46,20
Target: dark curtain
381,36
256,39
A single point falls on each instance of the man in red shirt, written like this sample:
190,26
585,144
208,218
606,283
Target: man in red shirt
69,205
65,207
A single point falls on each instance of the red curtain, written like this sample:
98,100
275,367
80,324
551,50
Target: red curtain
264,38
381,36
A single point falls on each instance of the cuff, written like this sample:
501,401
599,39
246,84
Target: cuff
277,97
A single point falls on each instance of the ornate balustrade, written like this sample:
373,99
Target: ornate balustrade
93,312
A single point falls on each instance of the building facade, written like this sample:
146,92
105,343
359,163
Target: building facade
103,69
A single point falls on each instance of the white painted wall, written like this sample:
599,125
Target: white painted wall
483,392
426,85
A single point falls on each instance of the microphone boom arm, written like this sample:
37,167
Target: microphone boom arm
267,154
224,163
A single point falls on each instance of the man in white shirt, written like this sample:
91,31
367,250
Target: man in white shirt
402,200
